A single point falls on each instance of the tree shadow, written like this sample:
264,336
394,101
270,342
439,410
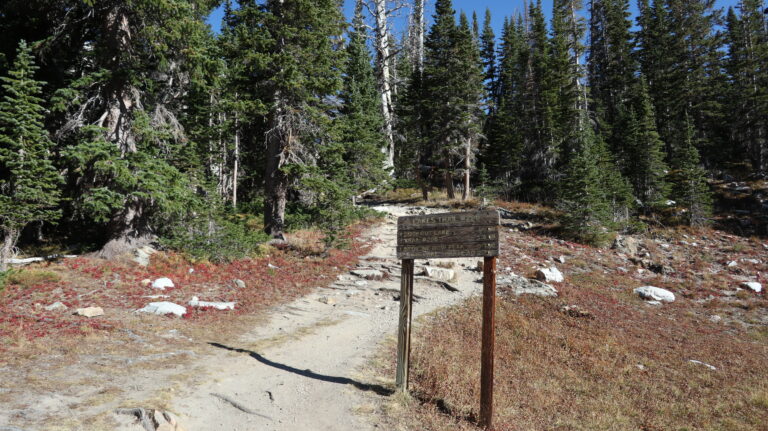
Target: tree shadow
377,389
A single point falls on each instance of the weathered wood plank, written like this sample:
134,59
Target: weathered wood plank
404,327
489,339
462,234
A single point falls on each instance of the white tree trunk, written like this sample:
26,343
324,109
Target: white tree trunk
384,78
467,169
419,36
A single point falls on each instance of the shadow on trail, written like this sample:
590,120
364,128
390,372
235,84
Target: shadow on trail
378,389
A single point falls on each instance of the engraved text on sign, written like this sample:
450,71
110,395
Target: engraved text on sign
460,234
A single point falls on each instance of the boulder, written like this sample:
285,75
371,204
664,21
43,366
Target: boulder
326,300
90,312
753,286
195,302
56,306
524,286
550,275
652,293
437,273
240,284
626,244
162,283
163,308
142,255
368,274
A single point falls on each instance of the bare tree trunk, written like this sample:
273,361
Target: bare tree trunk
121,97
467,169
384,78
11,236
418,10
275,180
448,177
236,162
423,184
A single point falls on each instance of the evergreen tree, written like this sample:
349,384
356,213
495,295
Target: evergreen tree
611,69
645,150
488,55
300,68
356,157
539,98
747,40
28,180
690,190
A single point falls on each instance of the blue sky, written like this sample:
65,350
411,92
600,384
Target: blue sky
499,9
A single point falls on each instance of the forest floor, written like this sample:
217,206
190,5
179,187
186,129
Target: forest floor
310,344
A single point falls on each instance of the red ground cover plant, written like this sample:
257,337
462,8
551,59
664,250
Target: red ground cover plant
278,276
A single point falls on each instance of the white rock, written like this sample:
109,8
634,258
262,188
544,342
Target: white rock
438,273
56,306
732,264
753,286
240,284
655,294
715,318
665,246
162,283
622,269
90,312
146,282
560,259
550,275
752,261
523,286
142,255
195,302
270,266
163,308
711,367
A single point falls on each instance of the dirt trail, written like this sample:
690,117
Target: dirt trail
301,370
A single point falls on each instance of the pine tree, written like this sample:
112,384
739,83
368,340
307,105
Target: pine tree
28,180
690,190
582,196
645,150
360,123
300,68
539,100
611,71
488,55
747,41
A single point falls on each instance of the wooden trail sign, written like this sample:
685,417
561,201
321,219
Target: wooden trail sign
449,235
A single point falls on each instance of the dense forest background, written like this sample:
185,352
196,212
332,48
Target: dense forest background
128,122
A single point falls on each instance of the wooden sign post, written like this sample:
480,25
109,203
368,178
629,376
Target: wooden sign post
449,235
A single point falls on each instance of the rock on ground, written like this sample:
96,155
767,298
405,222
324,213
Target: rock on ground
438,273
550,275
163,308
56,306
142,255
655,294
524,286
90,312
753,286
162,283
368,274
196,302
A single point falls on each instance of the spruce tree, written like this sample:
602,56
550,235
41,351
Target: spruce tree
688,178
28,180
644,148
300,69
747,101
488,54
611,71
360,122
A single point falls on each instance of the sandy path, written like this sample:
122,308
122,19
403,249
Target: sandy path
300,370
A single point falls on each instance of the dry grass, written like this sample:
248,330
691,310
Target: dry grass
557,372
32,277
